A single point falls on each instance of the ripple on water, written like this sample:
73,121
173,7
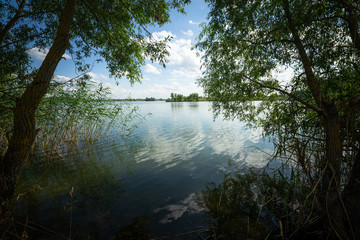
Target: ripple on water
175,152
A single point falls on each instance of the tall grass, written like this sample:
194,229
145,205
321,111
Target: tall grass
261,204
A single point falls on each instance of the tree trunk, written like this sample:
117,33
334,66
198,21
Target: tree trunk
353,23
331,205
351,197
339,205
330,192
24,130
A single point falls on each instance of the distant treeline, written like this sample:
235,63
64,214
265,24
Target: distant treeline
193,97
140,99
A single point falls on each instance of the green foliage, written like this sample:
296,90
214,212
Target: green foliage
313,114
112,31
247,42
193,97
75,115
137,229
256,204
228,205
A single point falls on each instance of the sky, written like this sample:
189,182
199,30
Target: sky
180,73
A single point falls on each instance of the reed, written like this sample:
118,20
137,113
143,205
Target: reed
261,204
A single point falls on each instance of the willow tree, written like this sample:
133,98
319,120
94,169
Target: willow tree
314,113
114,31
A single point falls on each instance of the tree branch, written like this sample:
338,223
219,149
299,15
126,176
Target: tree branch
308,105
22,39
310,76
12,22
268,42
352,20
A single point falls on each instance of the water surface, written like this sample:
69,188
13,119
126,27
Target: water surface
154,174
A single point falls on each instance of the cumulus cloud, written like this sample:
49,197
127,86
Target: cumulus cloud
61,79
116,91
175,86
183,74
155,90
183,56
162,35
193,23
151,69
40,54
188,33
283,74
97,76
145,79
66,56
176,211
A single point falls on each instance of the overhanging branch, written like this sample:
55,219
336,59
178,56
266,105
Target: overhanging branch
306,104
12,22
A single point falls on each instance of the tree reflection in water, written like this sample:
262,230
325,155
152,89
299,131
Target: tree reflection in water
45,204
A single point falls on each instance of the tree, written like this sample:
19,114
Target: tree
150,99
193,97
314,114
114,31
179,98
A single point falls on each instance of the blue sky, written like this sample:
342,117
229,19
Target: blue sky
180,73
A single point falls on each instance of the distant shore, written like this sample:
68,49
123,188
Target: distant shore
159,99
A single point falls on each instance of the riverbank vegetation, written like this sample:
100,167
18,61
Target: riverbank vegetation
261,204
53,111
312,114
193,97
314,124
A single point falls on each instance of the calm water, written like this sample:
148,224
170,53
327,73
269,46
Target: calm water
152,175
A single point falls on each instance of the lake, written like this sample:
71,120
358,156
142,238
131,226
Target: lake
149,178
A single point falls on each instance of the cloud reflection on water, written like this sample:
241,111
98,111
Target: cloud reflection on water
176,211
184,137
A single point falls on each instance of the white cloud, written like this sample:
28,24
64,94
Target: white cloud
37,53
145,79
195,23
183,66
61,79
162,35
97,76
164,90
176,211
116,91
184,57
284,74
153,90
40,54
184,74
151,69
188,33
66,56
